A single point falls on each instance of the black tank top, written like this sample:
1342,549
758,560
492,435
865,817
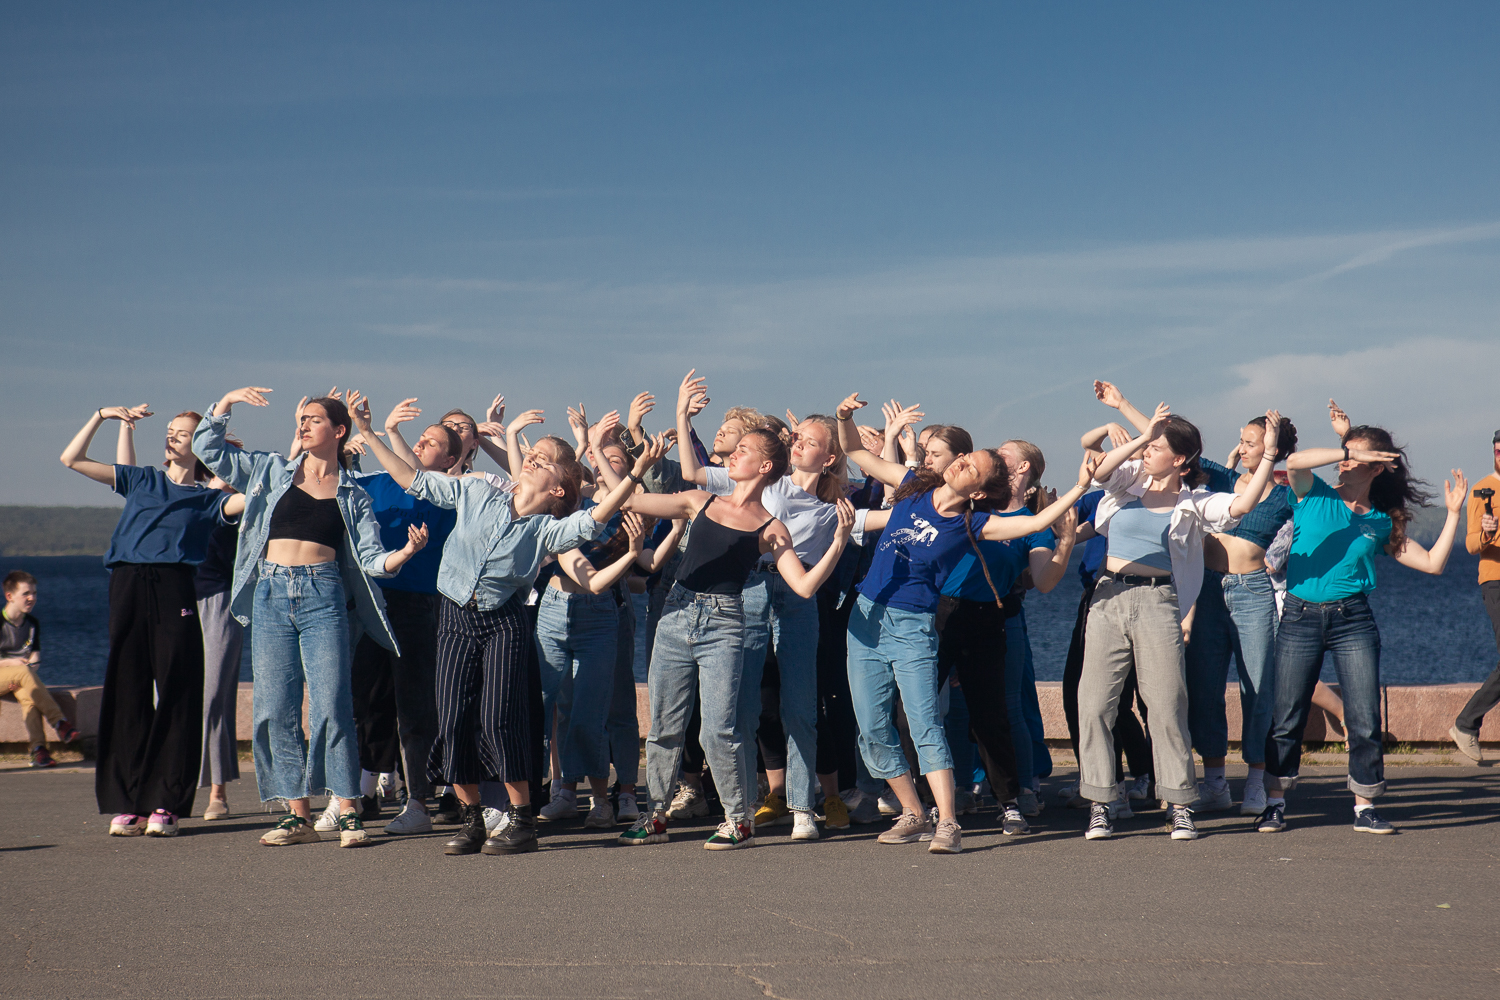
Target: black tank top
303,518
718,559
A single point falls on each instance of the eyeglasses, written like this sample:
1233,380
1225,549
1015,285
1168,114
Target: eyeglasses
459,426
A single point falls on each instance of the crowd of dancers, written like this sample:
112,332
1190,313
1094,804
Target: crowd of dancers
818,648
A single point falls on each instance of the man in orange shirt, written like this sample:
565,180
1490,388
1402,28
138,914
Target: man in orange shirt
1482,541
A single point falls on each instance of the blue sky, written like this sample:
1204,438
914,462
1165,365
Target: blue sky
979,208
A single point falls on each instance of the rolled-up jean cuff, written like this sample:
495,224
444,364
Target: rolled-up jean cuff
1096,794
1367,791
1177,796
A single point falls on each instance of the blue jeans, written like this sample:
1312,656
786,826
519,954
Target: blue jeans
700,644
622,727
299,633
640,606
576,640
956,727
1033,760
774,612
1346,629
893,649
1236,617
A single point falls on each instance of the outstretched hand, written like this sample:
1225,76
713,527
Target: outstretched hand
1455,496
495,412
1086,471
578,423
526,419
642,404
689,391
1107,394
846,517
252,394
1273,434
128,414
359,411
851,403
635,530
655,448
416,538
402,412
1338,418
1163,411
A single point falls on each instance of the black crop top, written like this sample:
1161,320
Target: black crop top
718,559
303,518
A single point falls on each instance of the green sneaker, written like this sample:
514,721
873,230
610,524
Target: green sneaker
292,829
730,836
352,830
647,830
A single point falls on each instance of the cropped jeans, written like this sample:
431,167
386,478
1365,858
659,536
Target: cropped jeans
576,639
893,649
774,612
1346,629
1236,617
300,634
700,645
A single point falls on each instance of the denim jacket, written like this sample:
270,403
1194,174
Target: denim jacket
264,477
491,553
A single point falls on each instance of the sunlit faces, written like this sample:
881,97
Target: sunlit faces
431,450
22,597
1252,446
463,426
965,474
747,460
617,459
812,448
179,443
316,431
730,432
1158,459
1358,474
542,468
938,454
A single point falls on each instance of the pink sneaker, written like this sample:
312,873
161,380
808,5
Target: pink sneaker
127,825
162,824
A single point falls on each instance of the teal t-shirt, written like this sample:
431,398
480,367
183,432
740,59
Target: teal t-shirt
1333,548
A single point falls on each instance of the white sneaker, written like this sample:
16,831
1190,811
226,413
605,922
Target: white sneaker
1212,801
412,818
1069,798
329,821
1029,802
1120,807
1255,801
629,810
496,820
602,816
889,805
803,827
862,808
1140,788
688,803
564,805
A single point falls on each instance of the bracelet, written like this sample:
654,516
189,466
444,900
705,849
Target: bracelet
842,419
1346,453
636,479
100,411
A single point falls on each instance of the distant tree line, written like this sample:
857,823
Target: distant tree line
56,531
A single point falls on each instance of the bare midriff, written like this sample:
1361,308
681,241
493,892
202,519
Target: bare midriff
294,552
1229,554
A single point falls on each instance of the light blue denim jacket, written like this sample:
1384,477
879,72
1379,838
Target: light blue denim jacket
491,553
264,477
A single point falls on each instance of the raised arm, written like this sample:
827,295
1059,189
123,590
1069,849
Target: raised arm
76,455
1414,556
1049,566
125,444
690,390
890,473
652,560
403,412
596,436
597,581
1122,453
899,438
1245,502
1002,529
228,461
625,489
1093,441
1107,394
805,582
359,411
1299,464
514,454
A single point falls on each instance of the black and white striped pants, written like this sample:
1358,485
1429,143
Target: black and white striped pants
484,726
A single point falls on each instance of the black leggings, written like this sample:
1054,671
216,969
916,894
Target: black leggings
149,753
1130,735
483,695
973,646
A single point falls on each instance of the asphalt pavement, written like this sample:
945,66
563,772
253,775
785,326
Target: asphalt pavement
1318,911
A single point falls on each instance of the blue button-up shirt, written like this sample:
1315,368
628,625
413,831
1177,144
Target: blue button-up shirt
491,553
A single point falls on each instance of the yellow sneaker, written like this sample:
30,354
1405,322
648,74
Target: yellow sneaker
773,811
835,813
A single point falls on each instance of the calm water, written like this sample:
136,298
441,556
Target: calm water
1434,630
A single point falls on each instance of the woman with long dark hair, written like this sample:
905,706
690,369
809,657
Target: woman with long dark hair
1336,533
893,641
151,716
309,547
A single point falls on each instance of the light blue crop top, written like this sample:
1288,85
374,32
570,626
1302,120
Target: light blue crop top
1139,535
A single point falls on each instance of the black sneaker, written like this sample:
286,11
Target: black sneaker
449,809
1180,822
471,838
40,757
1100,828
517,837
65,731
1369,821
1273,820
369,808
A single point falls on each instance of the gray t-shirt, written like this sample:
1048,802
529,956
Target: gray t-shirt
811,522
18,640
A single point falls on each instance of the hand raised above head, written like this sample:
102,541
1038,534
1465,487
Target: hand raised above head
851,403
403,412
495,412
525,419
1107,394
1454,497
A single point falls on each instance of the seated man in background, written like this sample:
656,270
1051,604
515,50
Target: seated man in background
20,652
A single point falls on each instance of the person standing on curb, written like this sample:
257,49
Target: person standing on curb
1482,541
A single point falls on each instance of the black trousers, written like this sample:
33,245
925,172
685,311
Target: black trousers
395,697
1130,735
770,737
483,695
973,646
838,733
1488,695
151,716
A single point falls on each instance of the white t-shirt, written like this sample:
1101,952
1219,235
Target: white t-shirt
811,522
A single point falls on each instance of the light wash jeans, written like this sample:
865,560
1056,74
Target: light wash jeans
1347,630
700,644
1033,759
576,640
774,612
893,649
1236,617
300,633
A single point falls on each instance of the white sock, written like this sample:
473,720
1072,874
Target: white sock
1276,800
1363,808
369,781
1255,779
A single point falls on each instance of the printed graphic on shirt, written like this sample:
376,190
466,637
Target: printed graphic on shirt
923,534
